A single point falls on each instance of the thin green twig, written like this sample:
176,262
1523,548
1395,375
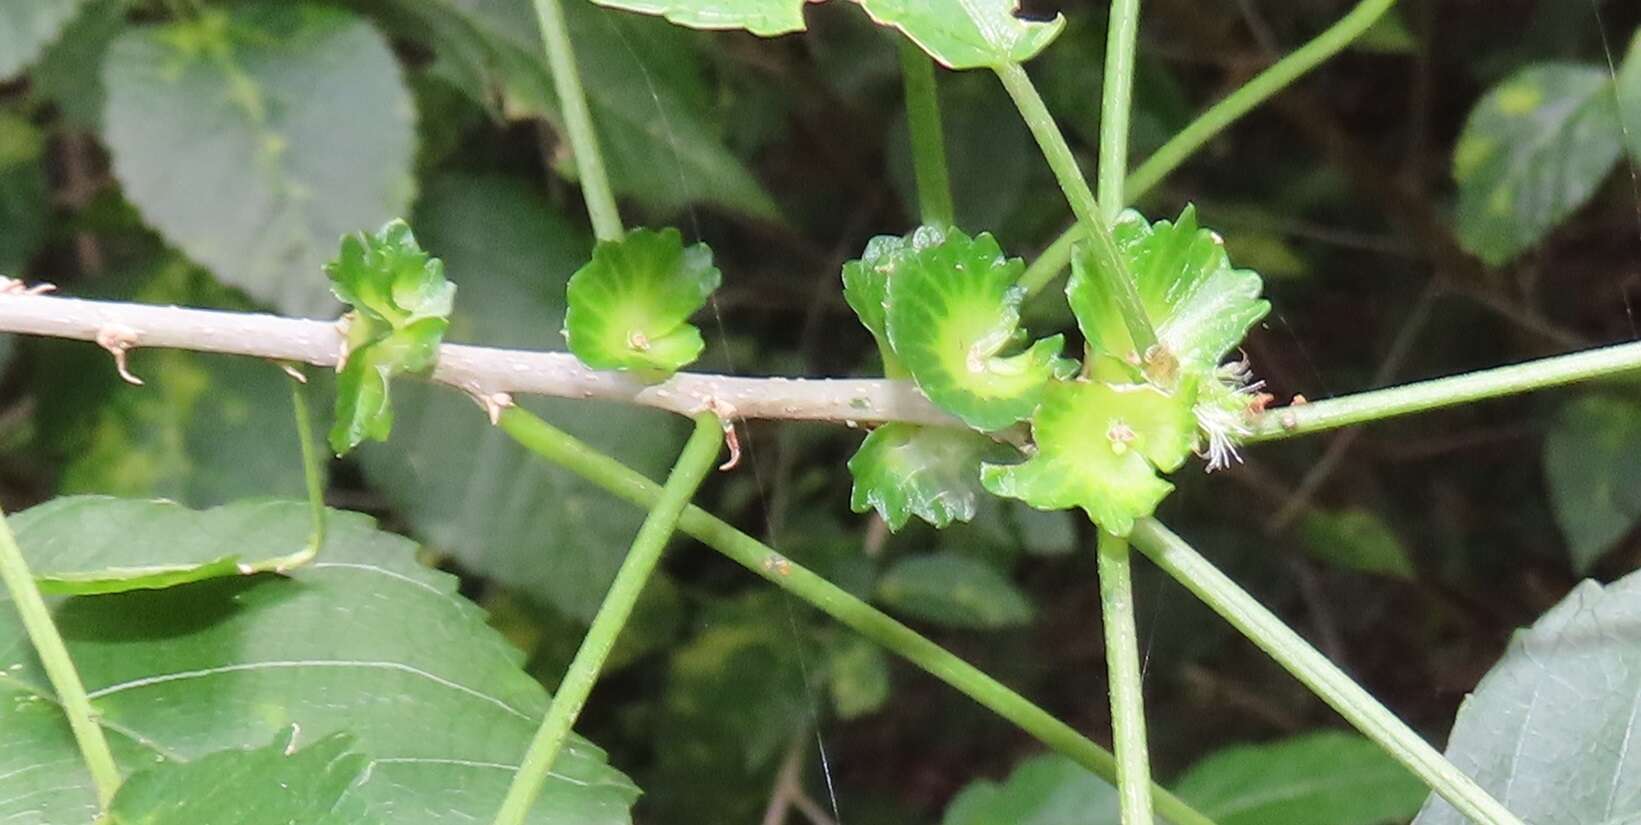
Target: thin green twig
1182,146
1421,396
934,186
1122,659
578,122
1116,104
48,645
697,459
1090,218
313,481
1327,681
565,450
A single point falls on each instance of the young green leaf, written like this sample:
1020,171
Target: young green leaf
866,285
905,470
1532,152
629,307
1099,447
953,308
967,34
1200,305
130,544
765,18
956,591
276,784
359,642
401,308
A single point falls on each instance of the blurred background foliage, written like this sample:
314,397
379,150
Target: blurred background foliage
1450,194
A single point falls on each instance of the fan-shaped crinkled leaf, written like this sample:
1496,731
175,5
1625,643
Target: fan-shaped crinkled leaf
27,27
1550,730
1099,447
953,308
905,470
96,544
1321,778
866,285
1200,305
365,641
967,34
282,783
401,304
629,307
761,17
954,590
295,114
1532,152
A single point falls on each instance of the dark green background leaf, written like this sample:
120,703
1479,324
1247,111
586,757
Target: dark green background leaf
1593,475
1325,778
220,140
1043,790
954,590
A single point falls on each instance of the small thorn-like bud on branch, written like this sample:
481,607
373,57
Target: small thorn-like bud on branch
119,339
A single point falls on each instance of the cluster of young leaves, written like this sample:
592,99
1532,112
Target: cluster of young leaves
944,308
401,306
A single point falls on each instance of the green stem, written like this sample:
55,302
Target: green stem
1122,660
578,122
1286,422
1313,669
934,187
313,480
1090,218
1209,124
692,467
48,645
565,450
1116,103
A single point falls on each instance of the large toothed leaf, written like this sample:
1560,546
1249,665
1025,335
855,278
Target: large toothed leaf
96,544
281,783
254,137
905,470
1550,730
629,307
366,641
953,310
401,304
761,17
866,285
1099,447
1532,152
967,34
1200,305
